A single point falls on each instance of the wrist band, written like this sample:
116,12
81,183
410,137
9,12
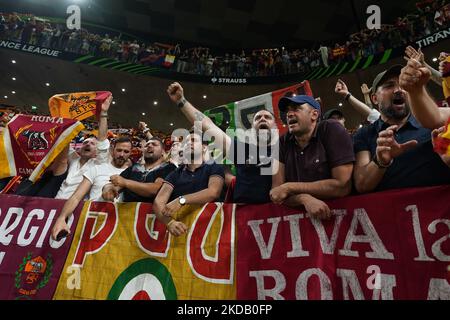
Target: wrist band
382,166
347,96
181,102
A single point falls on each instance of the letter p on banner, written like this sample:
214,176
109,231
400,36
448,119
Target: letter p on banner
91,242
374,20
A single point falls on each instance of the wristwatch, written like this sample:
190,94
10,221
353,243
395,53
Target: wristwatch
182,200
181,102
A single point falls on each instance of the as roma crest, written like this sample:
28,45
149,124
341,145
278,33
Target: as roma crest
32,275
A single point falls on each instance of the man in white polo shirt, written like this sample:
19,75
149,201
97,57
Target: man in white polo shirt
94,179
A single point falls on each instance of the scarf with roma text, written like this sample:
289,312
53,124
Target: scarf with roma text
29,144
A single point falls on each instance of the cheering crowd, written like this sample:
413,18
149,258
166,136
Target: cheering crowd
431,16
405,145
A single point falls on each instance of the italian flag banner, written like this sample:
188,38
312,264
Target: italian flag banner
239,114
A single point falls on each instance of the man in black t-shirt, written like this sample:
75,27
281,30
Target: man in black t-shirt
141,182
251,152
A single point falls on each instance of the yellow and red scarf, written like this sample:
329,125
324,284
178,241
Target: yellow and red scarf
78,106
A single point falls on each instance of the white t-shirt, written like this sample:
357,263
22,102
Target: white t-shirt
75,173
374,115
99,176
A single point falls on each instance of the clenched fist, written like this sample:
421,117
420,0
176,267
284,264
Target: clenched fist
175,92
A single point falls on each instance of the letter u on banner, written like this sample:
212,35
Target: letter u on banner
220,268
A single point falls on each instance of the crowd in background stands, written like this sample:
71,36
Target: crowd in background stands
431,15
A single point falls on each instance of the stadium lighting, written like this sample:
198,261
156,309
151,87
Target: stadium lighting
6,97
435,59
143,113
47,84
13,61
13,92
171,124
113,102
204,97
123,90
33,107
13,79
340,104
155,103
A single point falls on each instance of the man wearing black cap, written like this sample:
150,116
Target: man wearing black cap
316,158
335,114
395,151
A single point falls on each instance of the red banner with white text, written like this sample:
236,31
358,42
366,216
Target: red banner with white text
390,245
383,246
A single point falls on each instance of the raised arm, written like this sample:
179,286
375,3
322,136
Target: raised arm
359,106
103,121
412,53
413,79
193,115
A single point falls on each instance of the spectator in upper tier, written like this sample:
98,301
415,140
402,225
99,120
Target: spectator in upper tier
197,182
316,159
395,151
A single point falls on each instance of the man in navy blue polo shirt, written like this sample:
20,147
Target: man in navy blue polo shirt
395,151
316,159
197,182
252,159
141,182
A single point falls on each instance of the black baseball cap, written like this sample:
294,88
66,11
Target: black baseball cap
393,71
327,115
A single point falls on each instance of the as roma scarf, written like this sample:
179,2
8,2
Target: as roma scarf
442,141
29,144
78,106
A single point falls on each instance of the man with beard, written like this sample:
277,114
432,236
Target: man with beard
395,151
93,182
316,159
196,182
141,182
252,160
